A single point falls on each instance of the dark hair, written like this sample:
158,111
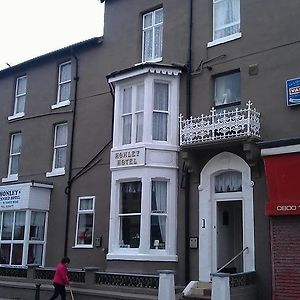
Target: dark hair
65,260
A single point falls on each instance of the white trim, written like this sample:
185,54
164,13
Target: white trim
225,39
60,104
142,257
56,172
10,178
280,150
81,212
60,83
207,205
16,116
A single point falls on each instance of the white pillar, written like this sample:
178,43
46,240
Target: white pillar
166,290
220,287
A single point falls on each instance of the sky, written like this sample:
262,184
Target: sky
29,28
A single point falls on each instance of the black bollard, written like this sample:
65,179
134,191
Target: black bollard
37,291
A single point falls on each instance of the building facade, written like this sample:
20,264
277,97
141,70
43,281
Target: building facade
170,143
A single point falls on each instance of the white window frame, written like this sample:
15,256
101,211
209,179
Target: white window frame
60,83
134,112
25,241
144,252
16,114
166,112
81,212
57,171
225,39
152,28
10,176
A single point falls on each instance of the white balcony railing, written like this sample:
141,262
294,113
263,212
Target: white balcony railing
220,126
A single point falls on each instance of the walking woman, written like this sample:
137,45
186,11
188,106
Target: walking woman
60,279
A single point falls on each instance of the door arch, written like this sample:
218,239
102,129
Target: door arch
208,204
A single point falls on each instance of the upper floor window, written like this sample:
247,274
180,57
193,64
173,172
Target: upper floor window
85,221
160,111
60,150
153,35
20,96
64,85
226,15
227,89
14,157
133,114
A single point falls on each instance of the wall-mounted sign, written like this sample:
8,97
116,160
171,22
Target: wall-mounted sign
127,158
293,91
10,198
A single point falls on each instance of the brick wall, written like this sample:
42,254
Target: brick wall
285,239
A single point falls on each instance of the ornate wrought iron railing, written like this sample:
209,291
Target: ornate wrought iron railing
48,273
242,279
13,272
130,280
220,125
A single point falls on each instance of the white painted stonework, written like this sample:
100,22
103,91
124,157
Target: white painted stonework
207,213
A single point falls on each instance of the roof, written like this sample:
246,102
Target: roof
148,66
68,50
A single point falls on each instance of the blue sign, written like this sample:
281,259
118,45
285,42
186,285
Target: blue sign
293,91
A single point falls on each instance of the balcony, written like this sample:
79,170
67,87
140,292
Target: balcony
220,126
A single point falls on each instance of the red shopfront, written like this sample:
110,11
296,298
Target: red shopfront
282,167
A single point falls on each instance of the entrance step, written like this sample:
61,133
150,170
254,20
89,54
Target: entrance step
199,291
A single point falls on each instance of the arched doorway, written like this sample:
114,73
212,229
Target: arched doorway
226,216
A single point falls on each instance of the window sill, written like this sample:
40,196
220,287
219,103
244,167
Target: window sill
83,247
60,104
142,257
224,39
10,178
154,60
56,172
16,116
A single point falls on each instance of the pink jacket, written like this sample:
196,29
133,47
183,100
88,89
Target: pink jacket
61,275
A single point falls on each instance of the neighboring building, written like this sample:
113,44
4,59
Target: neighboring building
168,144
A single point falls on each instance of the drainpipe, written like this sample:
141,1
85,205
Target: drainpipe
187,175
69,184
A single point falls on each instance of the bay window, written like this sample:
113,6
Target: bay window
22,242
160,112
130,214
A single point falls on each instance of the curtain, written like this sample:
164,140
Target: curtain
19,225
60,157
61,135
159,204
160,114
20,104
230,181
226,17
86,204
37,226
22,84
65,90
8,218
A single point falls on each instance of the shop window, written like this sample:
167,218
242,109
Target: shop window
152,35
130,214
227,89
85,221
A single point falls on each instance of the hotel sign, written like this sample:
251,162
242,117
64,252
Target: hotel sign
127,158
10,198
293,91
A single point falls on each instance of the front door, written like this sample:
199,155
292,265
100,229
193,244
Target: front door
229,239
